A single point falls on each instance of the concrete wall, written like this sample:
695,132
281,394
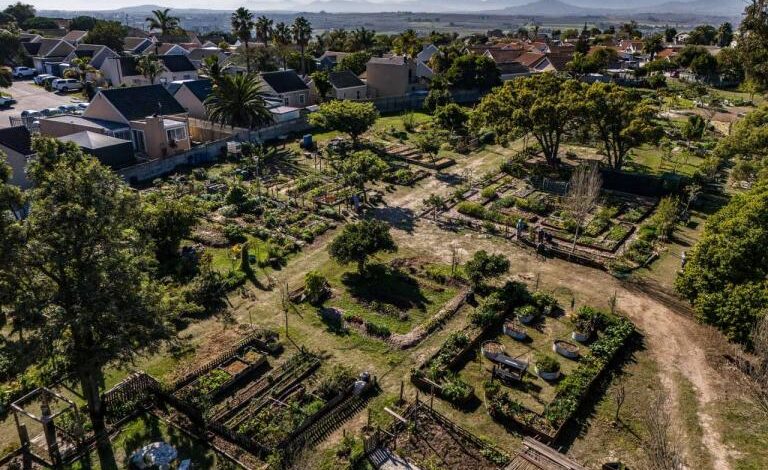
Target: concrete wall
198,156
353,93
389,79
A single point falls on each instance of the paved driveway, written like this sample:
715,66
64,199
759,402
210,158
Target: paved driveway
30,96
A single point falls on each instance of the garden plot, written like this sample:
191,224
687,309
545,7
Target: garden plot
413,156
428,439
270,413
390,300
501,201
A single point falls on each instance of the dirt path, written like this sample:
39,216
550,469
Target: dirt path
672,337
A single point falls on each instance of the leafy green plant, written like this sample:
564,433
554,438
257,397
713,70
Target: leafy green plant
547,364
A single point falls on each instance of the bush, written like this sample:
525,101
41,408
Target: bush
234,233
546,364
472,209
527,310
532,204
488,193
456,390
315,287
338,379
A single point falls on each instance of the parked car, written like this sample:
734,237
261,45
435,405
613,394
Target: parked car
39,79
50,111
6,101
68,84
30,113
24,72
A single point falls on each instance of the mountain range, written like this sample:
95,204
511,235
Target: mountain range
549,8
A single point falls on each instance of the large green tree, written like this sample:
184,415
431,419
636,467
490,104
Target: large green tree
473,71
350,117
725,275
622,118
544,105
361,240
85,264
359,168
107,33
167,221
753,42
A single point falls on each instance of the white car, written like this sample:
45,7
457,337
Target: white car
39,79
67,84
24,72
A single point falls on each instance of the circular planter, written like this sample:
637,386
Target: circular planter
515,331
566,349
580,337
491,349
548,376
526,319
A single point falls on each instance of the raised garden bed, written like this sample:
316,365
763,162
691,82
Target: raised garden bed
566,349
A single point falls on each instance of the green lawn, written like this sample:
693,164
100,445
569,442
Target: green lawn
647,159
407,298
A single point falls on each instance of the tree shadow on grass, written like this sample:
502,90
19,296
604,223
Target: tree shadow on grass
384,284
400,217
186,446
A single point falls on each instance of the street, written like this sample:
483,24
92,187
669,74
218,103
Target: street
30,96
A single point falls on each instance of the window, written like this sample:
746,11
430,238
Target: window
176,134
358,94
287,101
301,99
138,141
124,134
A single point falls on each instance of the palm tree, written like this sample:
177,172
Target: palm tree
163,21
302,33
150,67
281,37
212,68
264,29
81,66
242,24
363,39
652,45
238,101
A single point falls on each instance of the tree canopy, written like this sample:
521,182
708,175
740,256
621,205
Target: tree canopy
349,117
84,266
544,105
360,240
725,275
622,118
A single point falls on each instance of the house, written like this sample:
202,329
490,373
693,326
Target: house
191,94
630,46
123,71
48,53
29,37
288,86
539,62
136,45
682,38
197,56
16,142
512,70
392,76
75,37
96,53
165,48
347,86
111,151
329,59
149,116
503,56
426,53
